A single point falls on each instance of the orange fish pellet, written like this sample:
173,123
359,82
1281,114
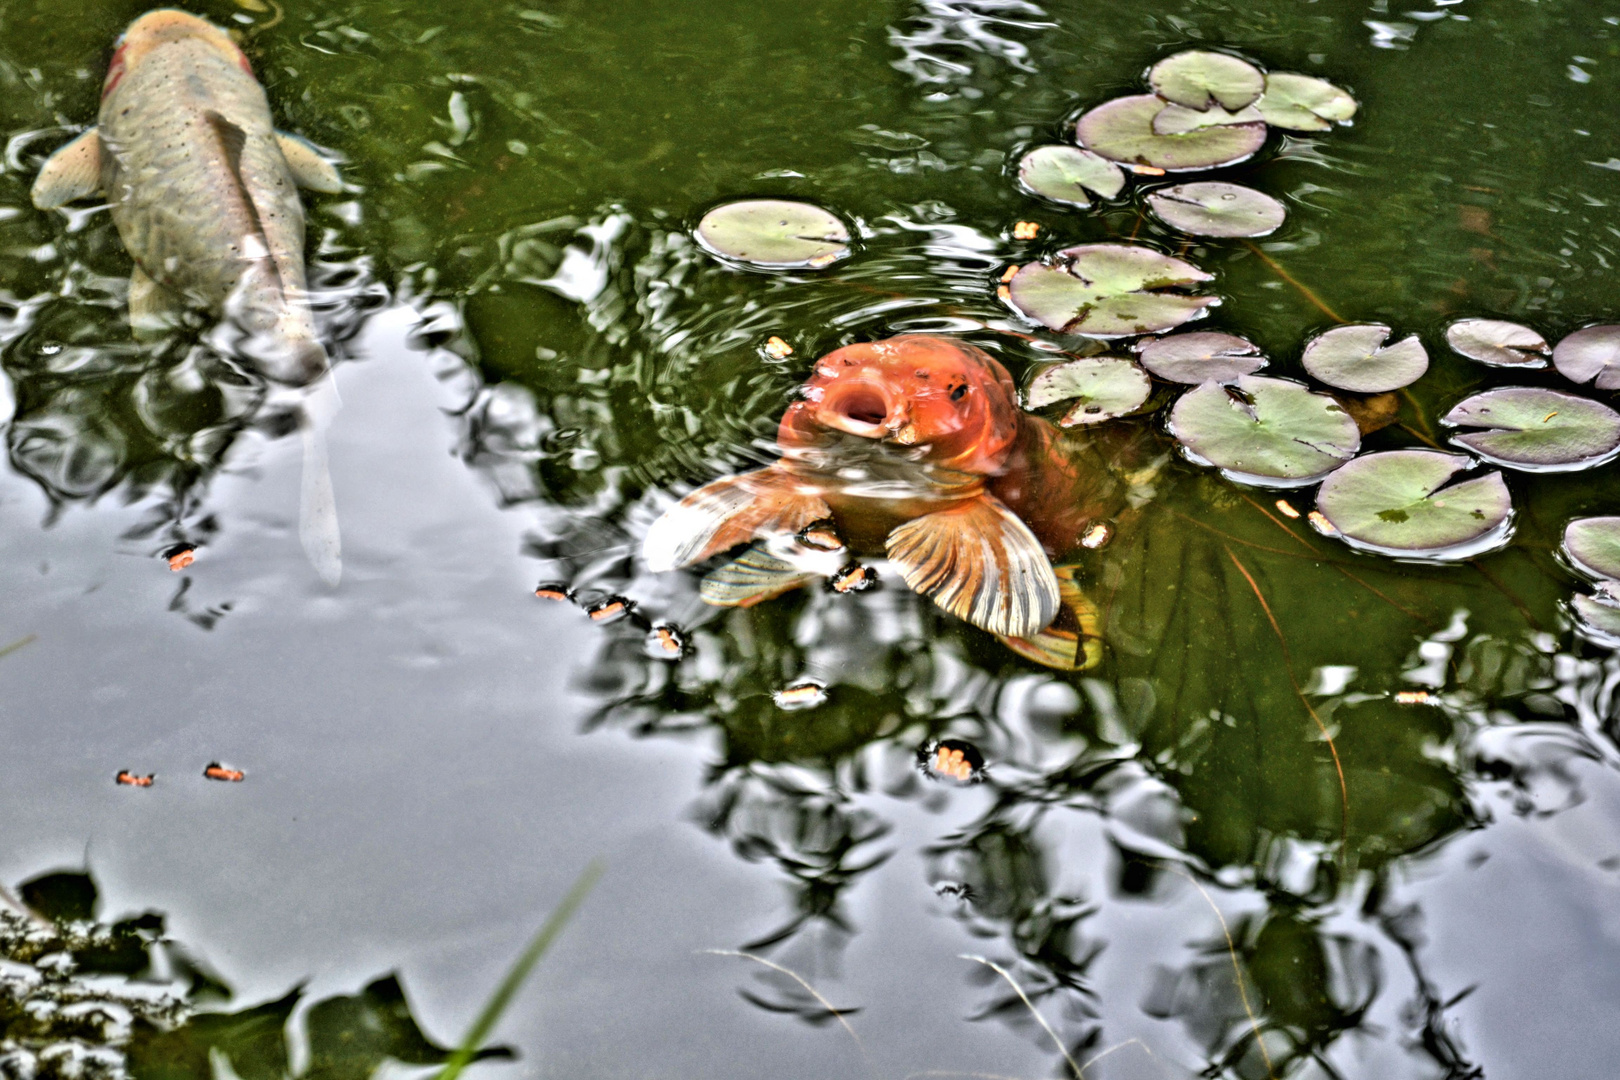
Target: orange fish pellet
777,349
1096,536
610,609
1026,230
666,642
1008,274
1286,509
806,694
129,779
1415,697
822,536
179,560
952,759
216,771
853,578
552,590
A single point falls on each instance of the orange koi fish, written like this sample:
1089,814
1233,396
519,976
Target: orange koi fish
915,447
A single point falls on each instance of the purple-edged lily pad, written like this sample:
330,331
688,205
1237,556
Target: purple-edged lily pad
1498,343
1122,130
1267,432
1591,351
1396,503
1592,546
1205,356
1108,290
1066,174
1197,79
1101,387
1355,358
1537,430
775,233
1216,208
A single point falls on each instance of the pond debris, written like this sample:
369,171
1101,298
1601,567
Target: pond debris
610,609
553,590
853,578
666,641
180,557
130,779
952,759
804,694
1286,509
777,349
1026,230
216,771
1096,536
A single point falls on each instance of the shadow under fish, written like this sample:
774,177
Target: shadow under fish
914,447
203,192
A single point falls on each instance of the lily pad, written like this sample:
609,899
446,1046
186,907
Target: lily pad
1498,343
1593,350
1355,358
1268,432
1065,173
1122,130
1303,102
1178,119
1102,387
1207,356
1214,208
1598,618
1592,546
1537,430
1395,503
1198,79
777,233
1106,290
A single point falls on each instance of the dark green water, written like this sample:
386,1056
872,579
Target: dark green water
538,354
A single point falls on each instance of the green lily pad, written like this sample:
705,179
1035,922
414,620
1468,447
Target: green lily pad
1198,79
1593,350
1179,120
1107,290
1355,358
1298,102
1122,130
1597,618
1498,343
1065,173
1214,208
1537,430
1267,432
1206,356
1102,387
1395,503
1592,546
776,233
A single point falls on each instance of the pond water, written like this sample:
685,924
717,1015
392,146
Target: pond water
1231,849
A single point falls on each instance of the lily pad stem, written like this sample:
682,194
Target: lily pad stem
1304,290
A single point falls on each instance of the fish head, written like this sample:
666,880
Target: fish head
166,28
940,400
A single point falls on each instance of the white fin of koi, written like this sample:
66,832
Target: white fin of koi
317,505
70,174
727,512
979,562
310,170
153,309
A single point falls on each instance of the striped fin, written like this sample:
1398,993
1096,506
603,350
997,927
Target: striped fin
754,576
727,512
1073,641
979,562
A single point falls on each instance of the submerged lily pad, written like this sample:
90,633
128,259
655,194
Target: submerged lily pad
1395,503
1105,290
1065,173
1355,358
1178,119
1303,102
1122,130
1592,545
1214,208
1198,79
1207,356
1537,430
1593,350
1498,343
778,233
1270,432
1102,387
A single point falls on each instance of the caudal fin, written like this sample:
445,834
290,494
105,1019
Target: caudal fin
727,512
1073,642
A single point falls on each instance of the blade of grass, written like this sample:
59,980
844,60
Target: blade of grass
498,1002
7,650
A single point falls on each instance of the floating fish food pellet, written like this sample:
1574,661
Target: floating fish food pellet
553,590
805,694
822,536
952,759
666,642
129,779
853,578
216,771
610,609
180,558
777,349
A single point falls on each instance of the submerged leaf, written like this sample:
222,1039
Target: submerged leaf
1303,102
1122,130
1497,343
1269,432
1206,356
1105,290
1592,546
1065,173
1355,358
1394,504
1214,208
1197,79
1537,430
1102,388
778,233
1592,350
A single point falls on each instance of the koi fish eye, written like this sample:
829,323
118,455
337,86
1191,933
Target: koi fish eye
959,393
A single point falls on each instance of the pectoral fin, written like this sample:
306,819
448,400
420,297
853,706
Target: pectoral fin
730,511
1072,642
979,562
752,577
309,169
70,174
153,309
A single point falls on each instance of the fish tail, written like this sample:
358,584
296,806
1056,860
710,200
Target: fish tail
1074,640
727,512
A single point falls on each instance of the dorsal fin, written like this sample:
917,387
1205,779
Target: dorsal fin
232,141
